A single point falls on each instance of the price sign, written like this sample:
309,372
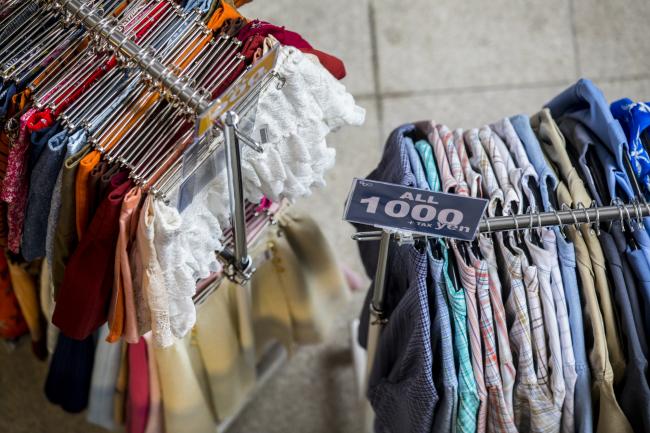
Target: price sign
237,91
414,210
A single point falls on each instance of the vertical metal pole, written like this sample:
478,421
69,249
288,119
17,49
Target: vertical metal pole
236,190
376,318
380,275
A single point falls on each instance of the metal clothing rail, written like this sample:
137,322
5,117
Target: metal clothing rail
194,100
94,22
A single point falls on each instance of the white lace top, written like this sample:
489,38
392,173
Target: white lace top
296,119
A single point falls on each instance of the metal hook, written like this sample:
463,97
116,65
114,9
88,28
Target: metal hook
637,209
597,222
573,215
516,224
559,223
530,211
582,207
620,214
629,217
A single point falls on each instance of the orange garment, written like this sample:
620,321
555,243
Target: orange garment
194,49
28,299
122,316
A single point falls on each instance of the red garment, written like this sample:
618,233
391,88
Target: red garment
65,100
137,401
287,37
83,299
12,322
16,182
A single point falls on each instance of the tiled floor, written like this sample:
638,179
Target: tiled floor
462,63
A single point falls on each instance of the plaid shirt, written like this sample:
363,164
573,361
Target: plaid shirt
468,278
481,162
531,283
525,170
444,373
506,363
499,416
566,341
472,178
468,399
544,262
500,164
453,159
401,388
447,179
534,409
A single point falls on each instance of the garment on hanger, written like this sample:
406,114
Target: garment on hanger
560,292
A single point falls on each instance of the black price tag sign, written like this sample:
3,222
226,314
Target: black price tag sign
414,210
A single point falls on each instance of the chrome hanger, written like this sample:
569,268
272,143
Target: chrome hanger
559,223
582,207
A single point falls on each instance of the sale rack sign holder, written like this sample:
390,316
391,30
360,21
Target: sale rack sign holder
400,208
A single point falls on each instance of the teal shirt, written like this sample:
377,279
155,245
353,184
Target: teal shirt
429,163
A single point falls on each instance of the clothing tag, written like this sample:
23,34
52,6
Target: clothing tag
414,210
186,193
190,159
264,134
202,173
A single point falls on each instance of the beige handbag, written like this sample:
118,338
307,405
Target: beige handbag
296,292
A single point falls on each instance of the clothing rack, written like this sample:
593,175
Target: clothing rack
197,103
594,215
582,215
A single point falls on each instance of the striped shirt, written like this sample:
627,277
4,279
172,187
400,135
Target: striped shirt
525,171
449,182
481,162
499,416
500,165
453,159
472,178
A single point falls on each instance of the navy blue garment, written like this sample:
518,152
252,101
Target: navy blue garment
394,167
8,92
70,373
39,141
444,368
400,387
633,394
548,183
41,185
640,269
